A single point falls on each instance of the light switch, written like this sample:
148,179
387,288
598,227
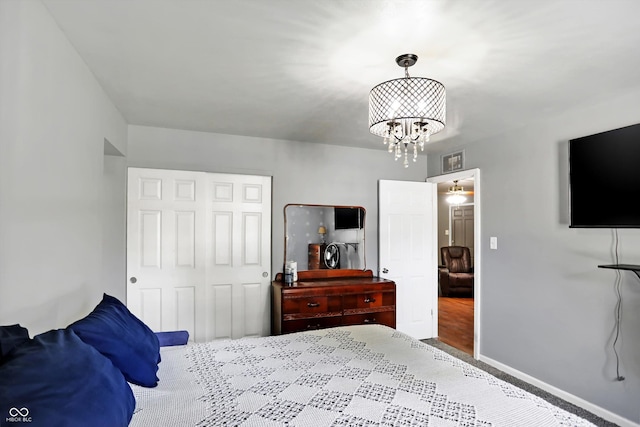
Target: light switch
446,232
493,242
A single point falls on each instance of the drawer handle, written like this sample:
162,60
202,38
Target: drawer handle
313,326
368,300
313,304
370,320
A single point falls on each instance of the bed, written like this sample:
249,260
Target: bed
368,375
109,369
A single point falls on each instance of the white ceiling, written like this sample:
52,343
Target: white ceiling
301,70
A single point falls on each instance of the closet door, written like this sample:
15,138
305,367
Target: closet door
175,249
238,273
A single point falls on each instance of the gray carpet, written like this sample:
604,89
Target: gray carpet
569,407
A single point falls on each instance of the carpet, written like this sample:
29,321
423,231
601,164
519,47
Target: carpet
555,400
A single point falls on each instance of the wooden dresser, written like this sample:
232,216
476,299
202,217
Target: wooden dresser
326,298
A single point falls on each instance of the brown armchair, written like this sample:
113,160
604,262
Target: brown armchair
456,273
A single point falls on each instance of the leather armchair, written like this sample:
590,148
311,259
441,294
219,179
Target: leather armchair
456,273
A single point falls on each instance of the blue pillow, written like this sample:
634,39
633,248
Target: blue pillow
11,336
171,338
55,379
115,332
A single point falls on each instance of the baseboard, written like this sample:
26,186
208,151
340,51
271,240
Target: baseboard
597,410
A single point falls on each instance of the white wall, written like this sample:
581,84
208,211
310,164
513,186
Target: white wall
54,118
302,172
114,224
547,309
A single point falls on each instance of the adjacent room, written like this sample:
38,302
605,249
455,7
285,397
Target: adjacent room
456,233
187,168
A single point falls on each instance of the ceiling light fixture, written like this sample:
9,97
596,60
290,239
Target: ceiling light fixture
407,111
455,194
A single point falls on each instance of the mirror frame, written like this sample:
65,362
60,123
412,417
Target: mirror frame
362,240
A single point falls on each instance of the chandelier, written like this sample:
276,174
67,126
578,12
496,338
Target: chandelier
407,111
455,194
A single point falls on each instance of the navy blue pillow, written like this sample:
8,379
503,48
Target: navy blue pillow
171,338
55,379
11,336
115,332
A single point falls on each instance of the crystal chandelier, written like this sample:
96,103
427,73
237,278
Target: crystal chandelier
406,111
455,194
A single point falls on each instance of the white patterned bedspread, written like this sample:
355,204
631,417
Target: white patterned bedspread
347,376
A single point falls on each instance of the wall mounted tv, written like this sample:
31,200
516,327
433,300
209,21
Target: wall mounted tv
347,218
604,179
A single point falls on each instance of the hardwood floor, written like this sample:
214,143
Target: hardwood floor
455,323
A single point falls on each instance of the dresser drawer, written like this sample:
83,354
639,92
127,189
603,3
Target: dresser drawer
311,305
387,318
310,324
368,300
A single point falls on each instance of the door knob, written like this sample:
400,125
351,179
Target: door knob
133,280
265,274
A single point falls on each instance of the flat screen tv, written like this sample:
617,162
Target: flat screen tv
604,179
347,218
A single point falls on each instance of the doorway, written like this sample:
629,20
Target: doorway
460,316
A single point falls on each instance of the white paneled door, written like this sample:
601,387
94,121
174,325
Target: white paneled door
407,244
238,255
462,227
198,252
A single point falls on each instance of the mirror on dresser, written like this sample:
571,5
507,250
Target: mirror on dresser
323,237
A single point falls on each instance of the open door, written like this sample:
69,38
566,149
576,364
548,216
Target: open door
407,245
477,252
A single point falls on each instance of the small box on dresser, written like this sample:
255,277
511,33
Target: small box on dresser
316,260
